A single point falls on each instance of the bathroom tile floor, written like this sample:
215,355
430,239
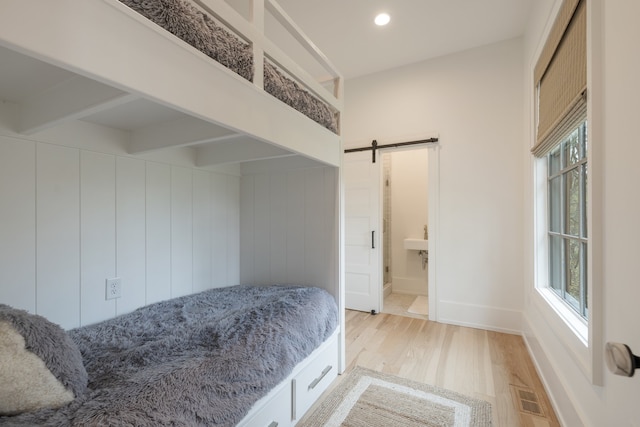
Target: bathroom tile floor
399,304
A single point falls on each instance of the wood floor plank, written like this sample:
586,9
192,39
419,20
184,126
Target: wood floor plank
481,364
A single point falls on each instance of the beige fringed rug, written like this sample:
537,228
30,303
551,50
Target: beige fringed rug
368,398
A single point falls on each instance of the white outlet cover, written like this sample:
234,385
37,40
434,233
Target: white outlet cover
113,288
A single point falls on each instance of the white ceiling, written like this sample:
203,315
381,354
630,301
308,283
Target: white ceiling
419,29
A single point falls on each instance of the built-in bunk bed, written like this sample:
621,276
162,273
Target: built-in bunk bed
178,134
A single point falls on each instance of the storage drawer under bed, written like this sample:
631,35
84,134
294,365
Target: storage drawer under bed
288,402
277,413
313,380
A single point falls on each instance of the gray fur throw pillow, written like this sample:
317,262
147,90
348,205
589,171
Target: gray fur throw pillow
40,366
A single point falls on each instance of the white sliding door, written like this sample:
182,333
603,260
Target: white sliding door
363,287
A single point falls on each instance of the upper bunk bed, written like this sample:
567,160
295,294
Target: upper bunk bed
118,64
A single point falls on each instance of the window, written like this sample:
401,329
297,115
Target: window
567,185
567,223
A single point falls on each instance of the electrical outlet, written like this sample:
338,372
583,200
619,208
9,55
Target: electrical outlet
114,288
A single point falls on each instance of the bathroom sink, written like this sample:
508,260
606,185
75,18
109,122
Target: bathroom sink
416,244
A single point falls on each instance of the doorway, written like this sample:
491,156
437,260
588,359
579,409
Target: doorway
364,269
405,215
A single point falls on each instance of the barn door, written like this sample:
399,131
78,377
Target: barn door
363,287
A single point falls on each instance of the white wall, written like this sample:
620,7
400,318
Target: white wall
473,101
288,226
71,217
614,91
409,215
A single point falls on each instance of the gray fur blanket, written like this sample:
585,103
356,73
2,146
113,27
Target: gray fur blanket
199,360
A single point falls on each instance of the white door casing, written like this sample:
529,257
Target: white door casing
363,288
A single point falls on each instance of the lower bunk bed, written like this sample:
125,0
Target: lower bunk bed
242,355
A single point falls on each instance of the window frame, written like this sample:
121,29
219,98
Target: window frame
562,174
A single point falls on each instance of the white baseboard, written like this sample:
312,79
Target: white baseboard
481,317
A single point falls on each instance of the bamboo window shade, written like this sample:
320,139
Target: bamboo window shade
560,77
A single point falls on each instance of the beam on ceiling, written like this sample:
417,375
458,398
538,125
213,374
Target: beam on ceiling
181,132
72,99
237,149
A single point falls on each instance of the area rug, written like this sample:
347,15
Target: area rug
367,398
420,305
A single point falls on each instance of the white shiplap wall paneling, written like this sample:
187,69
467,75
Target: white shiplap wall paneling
278,228
71,218
218,230
262,231
202,239
131,233
158,232
58,234
295,202
17,221
181,231
247,236
97,235
332,224
315,236
232,204
225,230
289,228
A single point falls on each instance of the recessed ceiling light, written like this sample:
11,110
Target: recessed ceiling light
382,19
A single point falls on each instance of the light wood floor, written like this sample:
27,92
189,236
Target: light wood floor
487,365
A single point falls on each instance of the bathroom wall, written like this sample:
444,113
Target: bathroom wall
409,201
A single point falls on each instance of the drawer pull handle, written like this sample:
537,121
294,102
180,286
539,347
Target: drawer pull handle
294,405
273,424
317,380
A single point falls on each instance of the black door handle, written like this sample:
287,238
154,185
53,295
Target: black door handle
373,239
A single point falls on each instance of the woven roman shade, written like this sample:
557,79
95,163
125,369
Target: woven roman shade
560,76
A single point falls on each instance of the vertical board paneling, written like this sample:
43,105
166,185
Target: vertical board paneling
290,228
71,218
130,237
158,215
247,238
17,224
233,230
97,235
331,226
262,231
201,231
58,234
219,246
181,232
278,227
314,233
295,227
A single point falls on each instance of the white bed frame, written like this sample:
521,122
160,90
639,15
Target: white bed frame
117,56
93,57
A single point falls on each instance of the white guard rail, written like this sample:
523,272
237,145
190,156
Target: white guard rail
253,33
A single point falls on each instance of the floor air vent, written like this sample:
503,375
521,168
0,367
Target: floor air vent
527,400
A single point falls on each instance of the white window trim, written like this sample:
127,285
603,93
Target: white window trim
566,324
582,339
